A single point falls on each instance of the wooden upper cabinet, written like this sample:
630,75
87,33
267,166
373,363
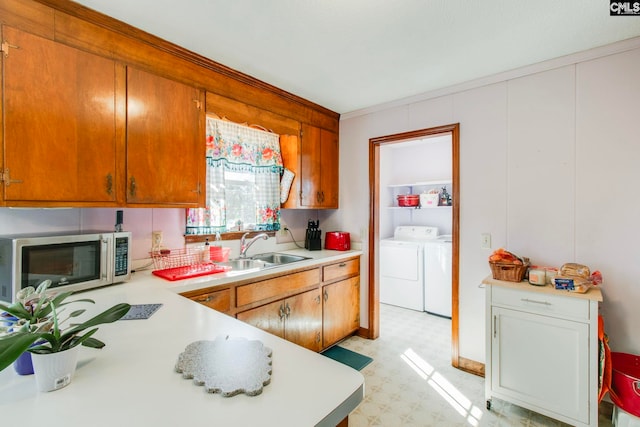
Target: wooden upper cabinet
60,119
318,168
165,141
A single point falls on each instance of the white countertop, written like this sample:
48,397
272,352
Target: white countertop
593,293
131,381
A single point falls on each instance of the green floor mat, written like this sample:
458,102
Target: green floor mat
348,357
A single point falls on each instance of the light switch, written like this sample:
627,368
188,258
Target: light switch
485,240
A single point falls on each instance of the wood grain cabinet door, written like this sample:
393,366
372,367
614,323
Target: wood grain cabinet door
318,168
268,317
165,141
59,122
341,310
304,319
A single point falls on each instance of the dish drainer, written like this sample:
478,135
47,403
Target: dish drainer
177,264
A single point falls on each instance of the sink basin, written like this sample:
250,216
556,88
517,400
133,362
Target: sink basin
245,264
277,258
261,261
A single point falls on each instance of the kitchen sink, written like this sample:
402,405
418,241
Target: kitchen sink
246,264
278,259
261,261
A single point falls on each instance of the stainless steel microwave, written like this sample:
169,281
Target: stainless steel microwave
73,261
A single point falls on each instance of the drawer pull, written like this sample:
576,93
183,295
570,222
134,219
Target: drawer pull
535,302
342,264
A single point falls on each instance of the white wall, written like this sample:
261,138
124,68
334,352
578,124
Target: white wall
548,167
141,222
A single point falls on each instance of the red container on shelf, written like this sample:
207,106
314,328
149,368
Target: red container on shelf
408,200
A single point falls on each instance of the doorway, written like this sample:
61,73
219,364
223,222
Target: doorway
374,227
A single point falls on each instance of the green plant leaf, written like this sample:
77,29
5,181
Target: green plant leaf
92,342
108,316
12,346
77,313
16,310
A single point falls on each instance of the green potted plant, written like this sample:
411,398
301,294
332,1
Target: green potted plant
35,324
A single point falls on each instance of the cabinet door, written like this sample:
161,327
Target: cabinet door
303,324
310,166
329,177
340,310
268,317
59,122
165,141
217,300
319,168
541,362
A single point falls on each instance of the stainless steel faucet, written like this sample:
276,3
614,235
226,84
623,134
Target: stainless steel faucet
244,246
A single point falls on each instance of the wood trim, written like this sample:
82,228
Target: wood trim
229,235
112,24
374,232
471,366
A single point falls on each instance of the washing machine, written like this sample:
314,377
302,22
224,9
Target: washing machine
437,276
401,266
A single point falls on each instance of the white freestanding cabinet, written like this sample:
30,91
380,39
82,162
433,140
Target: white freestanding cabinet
542,350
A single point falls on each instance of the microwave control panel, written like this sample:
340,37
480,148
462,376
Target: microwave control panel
121,256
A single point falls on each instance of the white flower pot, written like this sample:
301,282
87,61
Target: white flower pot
54,370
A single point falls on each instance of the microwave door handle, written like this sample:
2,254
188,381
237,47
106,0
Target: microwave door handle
105,260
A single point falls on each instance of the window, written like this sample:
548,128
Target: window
243,180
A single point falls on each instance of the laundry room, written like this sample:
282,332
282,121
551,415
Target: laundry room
416,224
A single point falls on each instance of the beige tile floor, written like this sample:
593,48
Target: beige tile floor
411,381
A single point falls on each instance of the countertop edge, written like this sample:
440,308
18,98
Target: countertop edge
594,293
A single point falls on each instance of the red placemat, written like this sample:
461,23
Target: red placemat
188,271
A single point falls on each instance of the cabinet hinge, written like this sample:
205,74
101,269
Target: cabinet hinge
198,104
5,46
5,178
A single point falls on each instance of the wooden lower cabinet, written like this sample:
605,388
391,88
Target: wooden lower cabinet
297,319
314,307
217,300
341,310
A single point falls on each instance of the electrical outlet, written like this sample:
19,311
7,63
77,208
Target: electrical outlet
485,241
283,229
156,239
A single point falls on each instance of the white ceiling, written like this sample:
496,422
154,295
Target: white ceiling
347,55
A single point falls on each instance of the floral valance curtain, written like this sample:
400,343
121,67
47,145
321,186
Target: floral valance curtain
231,148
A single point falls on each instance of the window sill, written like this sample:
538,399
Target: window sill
231,235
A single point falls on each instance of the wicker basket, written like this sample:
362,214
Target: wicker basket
509,272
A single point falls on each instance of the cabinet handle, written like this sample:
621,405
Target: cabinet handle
318,299
342,264
318,338
287,310
323,196
197,190
494,325
132,187
281,310
318,197
109,184
326,295
535,302
207,299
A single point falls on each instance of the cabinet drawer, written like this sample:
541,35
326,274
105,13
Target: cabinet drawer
340,270
218,300
541,302
270,288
